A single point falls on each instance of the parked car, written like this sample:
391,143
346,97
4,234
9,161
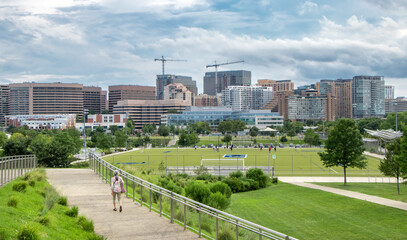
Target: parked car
210,145
281,145
291,145
203,146
297,146
246,146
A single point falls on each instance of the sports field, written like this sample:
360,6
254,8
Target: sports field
286,161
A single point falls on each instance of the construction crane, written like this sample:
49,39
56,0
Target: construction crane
163,60
216,65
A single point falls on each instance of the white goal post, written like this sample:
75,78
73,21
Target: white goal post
224,162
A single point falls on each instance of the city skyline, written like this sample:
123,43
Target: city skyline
102,43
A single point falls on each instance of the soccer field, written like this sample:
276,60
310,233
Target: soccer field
286,161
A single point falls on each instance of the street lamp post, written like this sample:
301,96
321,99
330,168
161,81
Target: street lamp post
85,111
395,109
125,125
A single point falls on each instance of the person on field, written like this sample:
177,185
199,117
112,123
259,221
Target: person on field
117,188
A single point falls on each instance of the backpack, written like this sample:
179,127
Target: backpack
117,184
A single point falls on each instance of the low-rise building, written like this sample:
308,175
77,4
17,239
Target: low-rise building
39,121
103,120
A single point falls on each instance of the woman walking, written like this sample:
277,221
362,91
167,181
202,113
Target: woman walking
116,187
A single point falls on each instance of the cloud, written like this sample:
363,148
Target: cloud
307,7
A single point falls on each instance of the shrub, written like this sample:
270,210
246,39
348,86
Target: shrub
86,224
236,174
257,175
222,188
94,236
51,197
206,225
234,183
226,234
44,220
31,183
12,201
174,187
27,232
63,201
198,191
73,212
20,186
218,200
274,180
205,176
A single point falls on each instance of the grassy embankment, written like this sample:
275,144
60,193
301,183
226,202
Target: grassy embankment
38,212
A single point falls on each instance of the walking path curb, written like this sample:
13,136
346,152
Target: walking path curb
92,196
351,194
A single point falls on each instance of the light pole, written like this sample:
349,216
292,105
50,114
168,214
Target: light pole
85,111
394,103
125,125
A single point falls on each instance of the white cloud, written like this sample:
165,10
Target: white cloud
307,7
27,77
150,5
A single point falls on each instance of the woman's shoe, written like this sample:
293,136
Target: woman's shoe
120,209
114,209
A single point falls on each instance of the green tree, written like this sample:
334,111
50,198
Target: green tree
344,147
372,123
148,129
238,125
17,144
254,131
283,139
61,148
298,126
104,141
226,139
3,138
183,140
40,146
75,136
273,134
113,129
392,164
120,139
312,138
225,126
390,122
105,111
130,126
291,133
163,131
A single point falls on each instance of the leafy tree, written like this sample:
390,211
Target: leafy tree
113,129
172,129
392,164
291,133
104,141
17,144
3,138
390,122
298,126
225,126
369,123
254,131
61,147
105,111
75,136
344,147
163,131
193,139
226,139
273,134
120,139
99,129
183,140
238,125
283,139
148,129
312,138
130,126
40,145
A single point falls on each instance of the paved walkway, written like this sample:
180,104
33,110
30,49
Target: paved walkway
374,155
87,191
304,182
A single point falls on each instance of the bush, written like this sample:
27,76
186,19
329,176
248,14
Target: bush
94,236
218,200
206,225
31,183
12,201
234,183
174,187
198,191
20,186
86,224
27,232
236,174
73,212
51,197
226,234
257,175
222,188
63,201
44,220
274,180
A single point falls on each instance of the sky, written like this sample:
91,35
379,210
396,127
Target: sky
108,42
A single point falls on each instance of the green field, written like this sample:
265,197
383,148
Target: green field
312,214
384,190
287,162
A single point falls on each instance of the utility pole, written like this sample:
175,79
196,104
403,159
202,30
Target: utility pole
216,65
125,125
163,60
85,111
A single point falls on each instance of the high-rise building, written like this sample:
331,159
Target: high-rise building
205,100
343,94
93,99
225,79
277,85
368,96
309,107
178,91
164,80
389,92
4,102
103,101
244,98
129,92
46,98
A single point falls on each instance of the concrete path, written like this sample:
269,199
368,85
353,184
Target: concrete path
87,191
374,155
303,182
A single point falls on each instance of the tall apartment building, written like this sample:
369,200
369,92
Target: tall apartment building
179,92
388,92
205,100
46,98
310,106
4,102
103,101
368,96
277,85
94,99
244,98
225,79
129,92
396,105
144,112
339,94
164,80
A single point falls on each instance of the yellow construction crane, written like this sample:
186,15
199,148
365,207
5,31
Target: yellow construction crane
163,60
216,65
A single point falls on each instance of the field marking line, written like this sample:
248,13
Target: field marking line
333,170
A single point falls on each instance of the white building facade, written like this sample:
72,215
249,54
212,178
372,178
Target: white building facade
244,98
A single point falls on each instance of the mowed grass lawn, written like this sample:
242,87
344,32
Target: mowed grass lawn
312,214
287,161
384,190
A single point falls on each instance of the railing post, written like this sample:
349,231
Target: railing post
161,196
260,236
172,209
217,227
150,198
237,229
1,169
141,193
185,214
134,186
199,224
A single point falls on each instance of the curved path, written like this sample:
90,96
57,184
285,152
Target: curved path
307,182
87,191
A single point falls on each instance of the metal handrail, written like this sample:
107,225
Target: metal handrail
12,167
105,170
